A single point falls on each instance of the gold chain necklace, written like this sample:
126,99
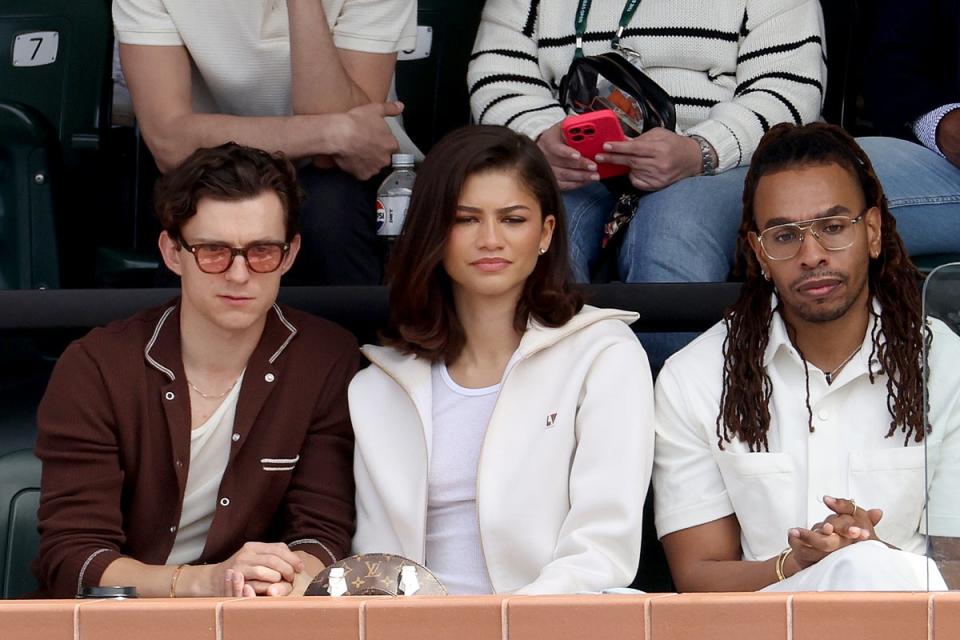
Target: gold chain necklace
211,396
830,374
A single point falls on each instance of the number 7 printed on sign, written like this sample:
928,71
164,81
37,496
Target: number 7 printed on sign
36,49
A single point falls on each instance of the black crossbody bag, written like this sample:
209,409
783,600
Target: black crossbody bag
614,80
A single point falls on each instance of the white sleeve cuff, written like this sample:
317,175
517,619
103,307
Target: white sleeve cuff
693,515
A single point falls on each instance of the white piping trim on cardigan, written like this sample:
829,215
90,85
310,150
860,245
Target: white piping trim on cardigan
83,569
293,332
153,339
280,460
313,541
280,468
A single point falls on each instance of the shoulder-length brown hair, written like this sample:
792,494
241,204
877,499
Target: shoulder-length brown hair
423,320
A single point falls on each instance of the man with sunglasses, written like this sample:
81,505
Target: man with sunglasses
791,437
203,447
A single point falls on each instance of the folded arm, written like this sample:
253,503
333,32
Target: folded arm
326,79
159,78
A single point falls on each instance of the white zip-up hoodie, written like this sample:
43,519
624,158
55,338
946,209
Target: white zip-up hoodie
565,463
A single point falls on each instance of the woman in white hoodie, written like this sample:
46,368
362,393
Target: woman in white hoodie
504,434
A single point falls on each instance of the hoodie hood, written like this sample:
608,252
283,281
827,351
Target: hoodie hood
408,369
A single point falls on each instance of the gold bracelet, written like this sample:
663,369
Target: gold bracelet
173,580
781,559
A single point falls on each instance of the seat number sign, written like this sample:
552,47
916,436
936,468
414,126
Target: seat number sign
36,48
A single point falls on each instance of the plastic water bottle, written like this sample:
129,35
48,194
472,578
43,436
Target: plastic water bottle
409,584
338,583
393,196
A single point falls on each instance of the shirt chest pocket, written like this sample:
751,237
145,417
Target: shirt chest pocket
763,490
893,480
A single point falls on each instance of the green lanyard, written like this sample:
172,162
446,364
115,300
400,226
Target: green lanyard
583,10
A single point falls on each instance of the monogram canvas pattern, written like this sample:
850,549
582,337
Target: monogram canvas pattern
375,574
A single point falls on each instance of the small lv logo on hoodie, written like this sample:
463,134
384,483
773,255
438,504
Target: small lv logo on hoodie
552,418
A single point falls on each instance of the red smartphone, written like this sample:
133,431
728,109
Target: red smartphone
588,131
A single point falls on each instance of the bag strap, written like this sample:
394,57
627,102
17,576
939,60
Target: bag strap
580,23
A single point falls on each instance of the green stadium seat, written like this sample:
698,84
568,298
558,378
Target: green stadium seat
19,539
55,89
60,52
434,89
28,247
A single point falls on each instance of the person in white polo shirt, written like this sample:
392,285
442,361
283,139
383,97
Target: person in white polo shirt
791,437
309,78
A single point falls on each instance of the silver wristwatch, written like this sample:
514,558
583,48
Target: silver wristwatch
707,165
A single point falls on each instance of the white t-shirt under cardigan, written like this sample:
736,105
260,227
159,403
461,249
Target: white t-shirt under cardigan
209,453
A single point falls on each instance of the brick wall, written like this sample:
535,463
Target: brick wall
846,616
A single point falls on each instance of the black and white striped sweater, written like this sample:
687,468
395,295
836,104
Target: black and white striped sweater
733,67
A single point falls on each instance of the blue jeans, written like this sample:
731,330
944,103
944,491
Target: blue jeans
687,232
683,233
923,191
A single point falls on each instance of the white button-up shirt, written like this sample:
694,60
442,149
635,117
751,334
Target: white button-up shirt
847,455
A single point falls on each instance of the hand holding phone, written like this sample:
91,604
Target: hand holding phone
588,132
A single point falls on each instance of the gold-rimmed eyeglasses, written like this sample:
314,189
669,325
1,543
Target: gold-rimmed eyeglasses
834,233
261,257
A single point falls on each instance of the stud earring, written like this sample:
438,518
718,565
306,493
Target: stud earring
542,250
766,276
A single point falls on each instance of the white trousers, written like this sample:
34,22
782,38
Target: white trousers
866,566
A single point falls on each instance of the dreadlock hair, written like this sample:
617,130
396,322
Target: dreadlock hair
898,335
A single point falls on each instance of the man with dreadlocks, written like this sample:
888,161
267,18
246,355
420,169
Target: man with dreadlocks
790,436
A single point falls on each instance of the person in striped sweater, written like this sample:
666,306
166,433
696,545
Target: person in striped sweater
734,68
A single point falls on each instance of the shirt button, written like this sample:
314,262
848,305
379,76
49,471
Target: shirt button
823,414
236,437
269,377
169,395
224,502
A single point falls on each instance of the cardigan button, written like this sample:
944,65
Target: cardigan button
169,395
235,437
269,377
173,529
224,502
